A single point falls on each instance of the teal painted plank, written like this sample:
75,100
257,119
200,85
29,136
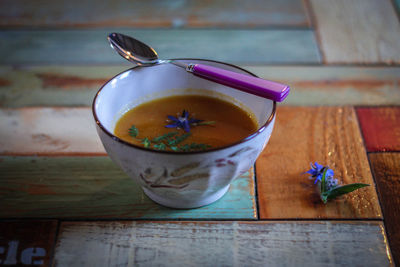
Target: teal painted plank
154,13
311,85
94,187
143,243
91,46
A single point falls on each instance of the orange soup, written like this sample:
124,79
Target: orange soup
185,123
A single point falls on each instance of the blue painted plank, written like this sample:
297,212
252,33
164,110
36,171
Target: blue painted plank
94,187
91,46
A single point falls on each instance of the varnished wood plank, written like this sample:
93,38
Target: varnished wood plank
380,127
386,169
221,244
25,243
48,131
311,85
328,135
91,46
94,187
155,13
358,31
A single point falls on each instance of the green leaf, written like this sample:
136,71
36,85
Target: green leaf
160,146
341,190
206,123
146,142
133,131
164,136
178,139
174,148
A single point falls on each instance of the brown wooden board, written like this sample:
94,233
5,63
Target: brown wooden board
386,170
380,128
310,85
357,31
27,243
154,13
144,243
304,135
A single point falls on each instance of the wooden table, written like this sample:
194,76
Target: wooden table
64,203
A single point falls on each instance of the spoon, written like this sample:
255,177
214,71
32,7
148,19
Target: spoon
143,55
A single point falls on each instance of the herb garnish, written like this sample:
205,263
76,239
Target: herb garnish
328,186
171,140
184,122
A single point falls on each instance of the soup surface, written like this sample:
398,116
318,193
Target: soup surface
185,123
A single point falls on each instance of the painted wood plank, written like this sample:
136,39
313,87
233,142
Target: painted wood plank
25,242
221,244
91,46
386,170
304,135
311,85
48,131
155,13
380,127
94,187
358,31
335,85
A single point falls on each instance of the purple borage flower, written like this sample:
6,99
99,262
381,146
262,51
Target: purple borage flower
182,121
317,171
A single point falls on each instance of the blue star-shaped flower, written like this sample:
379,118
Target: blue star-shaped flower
317,171
182,121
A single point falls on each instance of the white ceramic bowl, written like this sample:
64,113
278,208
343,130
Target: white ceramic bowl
185,179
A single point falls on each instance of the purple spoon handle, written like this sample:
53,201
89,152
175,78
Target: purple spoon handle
253,85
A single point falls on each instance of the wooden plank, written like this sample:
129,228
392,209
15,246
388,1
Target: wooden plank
221,244
53,85
304,135
155,13
27,242
311,85
91,46
348,35
94,187
335,85
386,170
48,131
380,128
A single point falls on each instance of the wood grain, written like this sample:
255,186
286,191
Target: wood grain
358,31
221,244
386,170
230,45
154,13
25,242
304,135
311,85
380,128
48,131
94,187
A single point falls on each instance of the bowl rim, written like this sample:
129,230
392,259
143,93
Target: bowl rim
119,140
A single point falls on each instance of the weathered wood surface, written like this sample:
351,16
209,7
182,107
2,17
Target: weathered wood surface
91,47
380,128
386,170
304,135
155,13
221,244
27,243
49,131
311,85
358,31
94,187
